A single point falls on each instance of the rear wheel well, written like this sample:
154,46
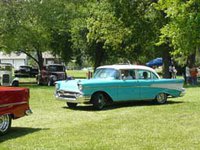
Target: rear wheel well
161,98
167,94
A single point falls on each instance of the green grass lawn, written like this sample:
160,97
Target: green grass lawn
128,126
77,73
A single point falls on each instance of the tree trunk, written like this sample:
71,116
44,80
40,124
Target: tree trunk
99,55
166,60
191,59
29,55
40,59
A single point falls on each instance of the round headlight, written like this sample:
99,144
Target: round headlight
80,87
54,78
57,86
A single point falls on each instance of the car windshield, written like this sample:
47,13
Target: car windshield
56,68
5,68
24,67
106,73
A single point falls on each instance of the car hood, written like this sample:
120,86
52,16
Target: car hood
72,85
68,85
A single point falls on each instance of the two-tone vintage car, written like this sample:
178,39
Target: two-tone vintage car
14,103
6,75
117,83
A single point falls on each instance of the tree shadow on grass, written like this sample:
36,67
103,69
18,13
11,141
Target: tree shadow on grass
16,132
123,105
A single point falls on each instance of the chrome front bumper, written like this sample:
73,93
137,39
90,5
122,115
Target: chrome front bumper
72,97
182,92
28,112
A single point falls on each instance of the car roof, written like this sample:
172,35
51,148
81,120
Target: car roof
124,67
5,64
54,65
25,66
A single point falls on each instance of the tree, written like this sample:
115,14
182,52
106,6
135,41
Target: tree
145,23
33,27
98,33
182,30
140,18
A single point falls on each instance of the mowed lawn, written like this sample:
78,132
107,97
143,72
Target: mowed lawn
128,126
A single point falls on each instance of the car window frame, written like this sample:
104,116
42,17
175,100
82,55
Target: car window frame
152,75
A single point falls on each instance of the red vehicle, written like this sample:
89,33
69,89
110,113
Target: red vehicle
50,74
14,103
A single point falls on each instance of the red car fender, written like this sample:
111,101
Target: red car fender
14,101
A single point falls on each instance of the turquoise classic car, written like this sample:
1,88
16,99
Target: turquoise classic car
117,83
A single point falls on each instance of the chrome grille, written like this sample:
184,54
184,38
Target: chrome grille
66,94
61,76
5,78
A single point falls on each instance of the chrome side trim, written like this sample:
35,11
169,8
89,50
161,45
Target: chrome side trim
171,86
175,86
11,104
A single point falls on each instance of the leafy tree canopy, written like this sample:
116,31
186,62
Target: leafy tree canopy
183,28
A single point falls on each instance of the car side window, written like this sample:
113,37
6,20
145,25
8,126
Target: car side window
144,74
128,74
153,76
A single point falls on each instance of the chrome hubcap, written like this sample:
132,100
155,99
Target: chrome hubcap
101,101
161,97
4,122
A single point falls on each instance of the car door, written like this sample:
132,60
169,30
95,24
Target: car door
128,89
146,80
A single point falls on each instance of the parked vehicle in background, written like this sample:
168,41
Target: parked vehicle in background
14,104
51,73
26,71
117,83
6,75
198,75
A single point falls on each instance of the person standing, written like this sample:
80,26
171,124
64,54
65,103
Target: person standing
194,73
170,71
187,74
174,72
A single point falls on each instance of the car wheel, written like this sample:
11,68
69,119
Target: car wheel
5,123
161,98
98,101
15,83
71,105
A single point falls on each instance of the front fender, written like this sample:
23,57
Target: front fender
53,77
15,79
107,95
